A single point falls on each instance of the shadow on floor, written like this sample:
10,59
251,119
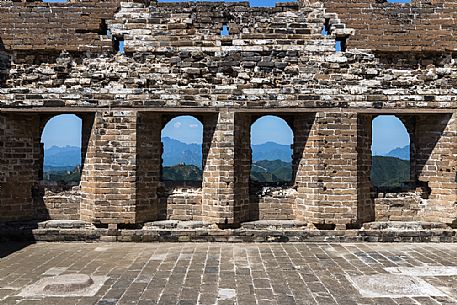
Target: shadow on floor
7,248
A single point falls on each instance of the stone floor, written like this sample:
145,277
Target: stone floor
219,273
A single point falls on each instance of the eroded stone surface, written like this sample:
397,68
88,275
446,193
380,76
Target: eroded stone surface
393,286
67,285
226,294
424,270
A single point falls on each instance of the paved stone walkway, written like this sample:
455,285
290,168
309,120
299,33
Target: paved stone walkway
243,274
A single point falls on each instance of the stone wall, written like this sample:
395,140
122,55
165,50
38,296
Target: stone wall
180,202
273,203
404,207
62,58
61,206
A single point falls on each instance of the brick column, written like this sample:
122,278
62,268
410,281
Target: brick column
365,204
327,182
108,183
306,166
243,156
219,200
149,158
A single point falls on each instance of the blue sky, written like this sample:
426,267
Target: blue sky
186,129
62,130
271,129
388,133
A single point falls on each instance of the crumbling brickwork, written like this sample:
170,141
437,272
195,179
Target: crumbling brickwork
65,58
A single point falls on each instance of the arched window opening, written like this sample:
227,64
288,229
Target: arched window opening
391,165
182,139
271,145
61,140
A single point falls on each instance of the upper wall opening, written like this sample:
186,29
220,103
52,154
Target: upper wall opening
5,64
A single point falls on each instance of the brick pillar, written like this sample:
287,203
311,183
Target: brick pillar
243,156
108,184
327,183
218,199
365,204
435,165
20,164
306,166
149,150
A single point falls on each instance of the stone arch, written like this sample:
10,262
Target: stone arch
399,129
50,129
280,123
192,155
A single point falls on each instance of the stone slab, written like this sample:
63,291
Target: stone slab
68,285
393,286
424,270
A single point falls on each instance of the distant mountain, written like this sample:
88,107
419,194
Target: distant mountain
400,153
176,152
271,151
68,156
389,171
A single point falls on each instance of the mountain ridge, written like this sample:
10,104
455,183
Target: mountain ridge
402,153
175,152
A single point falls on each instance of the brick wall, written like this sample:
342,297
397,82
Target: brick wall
406,206
74,26
365,204
181,202
21,152
218,198
417,26
273,203
61,206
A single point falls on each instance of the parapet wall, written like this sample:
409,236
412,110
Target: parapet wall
419,26
67,59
